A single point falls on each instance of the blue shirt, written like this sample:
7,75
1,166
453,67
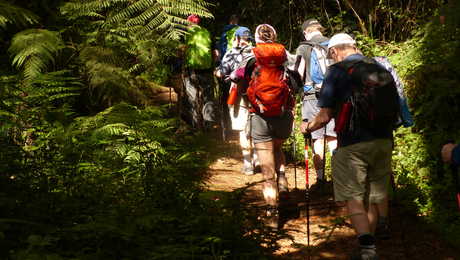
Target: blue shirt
456,156
337,89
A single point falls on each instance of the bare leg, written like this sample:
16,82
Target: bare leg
361,221
372,215
267,161
318,158
280,162
318,152
359,216
246,150
331,143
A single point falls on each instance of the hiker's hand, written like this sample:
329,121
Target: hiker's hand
446,152
303,127
217,73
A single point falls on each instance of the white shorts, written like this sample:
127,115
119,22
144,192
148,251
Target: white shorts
239,114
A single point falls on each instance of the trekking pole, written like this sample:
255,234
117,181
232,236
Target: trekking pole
324,157
307,139
222,109
294,149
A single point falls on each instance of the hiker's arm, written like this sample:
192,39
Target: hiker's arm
320,120
451,153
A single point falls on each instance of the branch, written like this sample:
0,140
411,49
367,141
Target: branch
360,21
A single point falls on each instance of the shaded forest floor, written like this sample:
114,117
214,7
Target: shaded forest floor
331,235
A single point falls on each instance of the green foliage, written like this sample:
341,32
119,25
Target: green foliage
124,183
428,62
15,15
34,50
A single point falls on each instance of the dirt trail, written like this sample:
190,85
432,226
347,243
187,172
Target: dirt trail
331,235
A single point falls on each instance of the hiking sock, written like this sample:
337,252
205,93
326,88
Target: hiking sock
383,220
282,182
247,160
382,230
366,241
319,174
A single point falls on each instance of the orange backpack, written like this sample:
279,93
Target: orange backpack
268,90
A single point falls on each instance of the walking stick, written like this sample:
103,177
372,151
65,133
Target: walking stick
324,158
307,139
294,149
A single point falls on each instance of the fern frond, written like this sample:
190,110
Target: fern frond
33,50
110,130
16,15
53,86
164,16
93,8
100,54
132,10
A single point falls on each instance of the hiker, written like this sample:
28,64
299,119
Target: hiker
450,153
239,108
198,100
314,52
225,42
227,36
272,114
361,165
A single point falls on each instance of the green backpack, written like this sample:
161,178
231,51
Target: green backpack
198,54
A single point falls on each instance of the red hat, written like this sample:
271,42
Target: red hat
193,18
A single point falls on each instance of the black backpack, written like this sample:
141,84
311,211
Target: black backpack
374,99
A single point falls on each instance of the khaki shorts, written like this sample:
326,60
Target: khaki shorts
362,171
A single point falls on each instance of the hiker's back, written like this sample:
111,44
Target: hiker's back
268,90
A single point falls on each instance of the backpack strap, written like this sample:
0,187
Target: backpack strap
304,50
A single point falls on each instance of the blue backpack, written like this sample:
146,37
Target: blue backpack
315,55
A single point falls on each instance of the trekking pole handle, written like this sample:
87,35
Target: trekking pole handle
307,139
306,135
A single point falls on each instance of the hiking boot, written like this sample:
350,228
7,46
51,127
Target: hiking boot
247,170
272,218
365,254
382,231
321,182
258,169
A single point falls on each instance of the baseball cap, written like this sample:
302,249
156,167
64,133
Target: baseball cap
310,22
243,32
340,38
193,18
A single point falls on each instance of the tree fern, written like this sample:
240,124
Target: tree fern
168,17
33,50
15,15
